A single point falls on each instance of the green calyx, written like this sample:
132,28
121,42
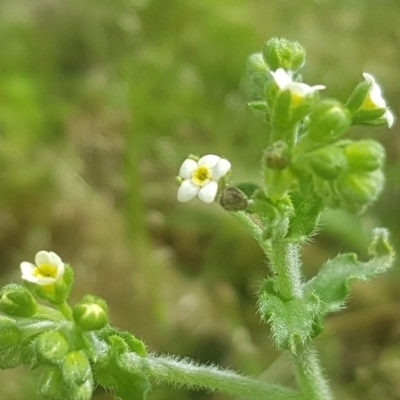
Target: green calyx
282,53
17,300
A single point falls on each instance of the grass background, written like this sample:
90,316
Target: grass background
100,101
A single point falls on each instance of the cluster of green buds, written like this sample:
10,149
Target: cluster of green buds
74,346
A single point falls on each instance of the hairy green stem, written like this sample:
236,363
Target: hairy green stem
187,373
285,262
286,265
310,376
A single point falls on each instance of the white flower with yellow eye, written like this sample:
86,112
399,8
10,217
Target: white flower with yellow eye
374,100
200,178
47,270
298,90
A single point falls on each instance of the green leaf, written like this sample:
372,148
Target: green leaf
292,322
306,215
332,284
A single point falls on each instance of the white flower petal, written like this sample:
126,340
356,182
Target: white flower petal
281,78
375,93
187,168
210,160
208,192
389,118
317,87
221,169
55,259
43,257
60,271
369,78
187,191
298,88
27,270
44,281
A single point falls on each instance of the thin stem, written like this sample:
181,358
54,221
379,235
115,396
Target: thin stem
310,376
65,310
254,229
188,374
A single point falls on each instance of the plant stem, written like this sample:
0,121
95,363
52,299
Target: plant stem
310,376
254,229
187,373
285,262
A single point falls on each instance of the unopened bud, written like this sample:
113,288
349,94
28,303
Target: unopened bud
362,188
51,347
328,162
281,53
233,199
276,156
10,335
76,368
18,301
91,313
365,155
328,121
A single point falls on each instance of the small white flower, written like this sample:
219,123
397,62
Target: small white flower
298,90
200,178
49,269
375,100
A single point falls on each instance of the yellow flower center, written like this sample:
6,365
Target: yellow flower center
368,104
296,99
202,175
45,271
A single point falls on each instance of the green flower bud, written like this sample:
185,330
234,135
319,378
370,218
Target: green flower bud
281,53
233,199
365,155
362,188
51,347
10,335
276,156
328,121
257,72
51,385
76,369
328,162
91,313
18,301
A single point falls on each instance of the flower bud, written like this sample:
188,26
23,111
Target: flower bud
233,199
365,155
257,75
51,347
10,335
328,121
76,369
91,313
51,385
328,162
276,156
362,188
281,53
18,301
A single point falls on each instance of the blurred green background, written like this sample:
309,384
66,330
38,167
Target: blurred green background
101,100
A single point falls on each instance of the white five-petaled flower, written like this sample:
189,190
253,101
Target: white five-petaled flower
298,90
48,268
375,100
200,178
